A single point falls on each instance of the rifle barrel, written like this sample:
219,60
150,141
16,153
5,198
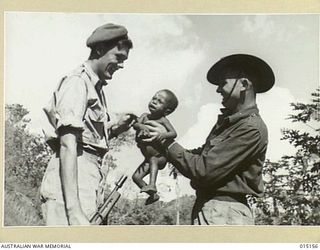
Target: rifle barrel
121,181
110,201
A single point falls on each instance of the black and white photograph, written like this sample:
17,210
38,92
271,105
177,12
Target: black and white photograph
156,119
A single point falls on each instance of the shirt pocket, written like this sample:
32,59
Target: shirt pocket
94,119
95,110
95,122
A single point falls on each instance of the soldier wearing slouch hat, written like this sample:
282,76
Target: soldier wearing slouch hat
228,166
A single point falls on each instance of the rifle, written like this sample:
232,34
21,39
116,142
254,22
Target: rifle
99,217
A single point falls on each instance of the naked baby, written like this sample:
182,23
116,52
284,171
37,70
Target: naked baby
163,103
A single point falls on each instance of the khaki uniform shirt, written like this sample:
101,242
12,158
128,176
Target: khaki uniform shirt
79,102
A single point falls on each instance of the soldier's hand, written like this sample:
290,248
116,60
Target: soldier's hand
143,133
127,120
156,129
123,124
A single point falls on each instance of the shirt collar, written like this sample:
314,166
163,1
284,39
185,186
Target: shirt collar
225,115
92,75
243,114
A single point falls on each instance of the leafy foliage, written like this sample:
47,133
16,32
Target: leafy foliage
135,212
292,185
26,157
307,112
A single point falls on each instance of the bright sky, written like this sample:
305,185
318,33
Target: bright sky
170,51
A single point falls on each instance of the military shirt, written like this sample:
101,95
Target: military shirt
79,102
231,160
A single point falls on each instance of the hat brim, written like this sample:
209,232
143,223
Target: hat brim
248,65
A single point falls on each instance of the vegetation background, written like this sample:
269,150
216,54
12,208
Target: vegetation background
291,185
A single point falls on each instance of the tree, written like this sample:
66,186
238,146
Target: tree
26,157
292,185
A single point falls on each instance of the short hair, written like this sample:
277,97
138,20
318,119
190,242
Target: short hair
110,45
172,100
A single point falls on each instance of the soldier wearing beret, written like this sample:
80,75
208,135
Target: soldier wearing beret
73,185
228,167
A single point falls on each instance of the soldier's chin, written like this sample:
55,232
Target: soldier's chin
226,104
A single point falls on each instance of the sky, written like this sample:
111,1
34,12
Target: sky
169,51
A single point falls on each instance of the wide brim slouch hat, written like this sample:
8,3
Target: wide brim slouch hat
243,65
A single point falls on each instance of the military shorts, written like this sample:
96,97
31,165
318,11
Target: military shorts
216,212
91,185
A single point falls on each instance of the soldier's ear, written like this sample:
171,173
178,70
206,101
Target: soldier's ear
245,83
100,50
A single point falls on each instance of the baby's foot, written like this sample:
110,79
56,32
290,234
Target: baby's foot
149,189
152,198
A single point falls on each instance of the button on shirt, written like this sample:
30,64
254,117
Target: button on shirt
79,102
231,160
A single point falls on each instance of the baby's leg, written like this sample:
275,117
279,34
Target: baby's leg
155,163
161,163
140,173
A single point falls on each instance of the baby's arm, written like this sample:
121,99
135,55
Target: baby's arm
171,132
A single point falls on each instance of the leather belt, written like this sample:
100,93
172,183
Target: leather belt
96,152
232,197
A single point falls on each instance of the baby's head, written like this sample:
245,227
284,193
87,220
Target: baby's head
163,103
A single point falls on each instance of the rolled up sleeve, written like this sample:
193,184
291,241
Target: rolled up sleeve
221,160
71,100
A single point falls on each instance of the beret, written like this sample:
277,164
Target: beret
107,32
242,65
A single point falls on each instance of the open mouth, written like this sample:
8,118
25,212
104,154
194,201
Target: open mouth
151,107
111,69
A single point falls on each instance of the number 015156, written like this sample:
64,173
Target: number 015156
309,245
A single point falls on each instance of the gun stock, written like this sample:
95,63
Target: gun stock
100,216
